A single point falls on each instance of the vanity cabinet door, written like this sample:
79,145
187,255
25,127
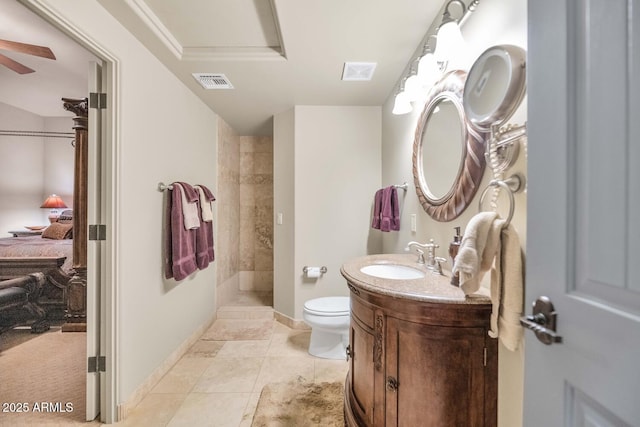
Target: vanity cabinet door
362,371
435,375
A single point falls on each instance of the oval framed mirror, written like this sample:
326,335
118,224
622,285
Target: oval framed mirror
448,154
495,86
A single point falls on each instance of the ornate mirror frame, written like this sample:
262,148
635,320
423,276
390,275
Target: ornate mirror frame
472,165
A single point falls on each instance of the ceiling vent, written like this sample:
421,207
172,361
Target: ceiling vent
213,81
358,71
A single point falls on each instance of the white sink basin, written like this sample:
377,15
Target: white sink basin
392,271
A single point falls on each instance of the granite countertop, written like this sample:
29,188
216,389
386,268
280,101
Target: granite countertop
431,288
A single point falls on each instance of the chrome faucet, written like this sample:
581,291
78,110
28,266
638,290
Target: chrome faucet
433,262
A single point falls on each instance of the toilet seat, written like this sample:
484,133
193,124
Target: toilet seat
328,306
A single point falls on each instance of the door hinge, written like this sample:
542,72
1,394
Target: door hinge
97,232
484,357
96,364
97,100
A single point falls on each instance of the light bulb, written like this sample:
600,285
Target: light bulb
428,71
401,105
450,41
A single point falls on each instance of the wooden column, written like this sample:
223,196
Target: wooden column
76,296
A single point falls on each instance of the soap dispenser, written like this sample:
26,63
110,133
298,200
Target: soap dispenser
454,247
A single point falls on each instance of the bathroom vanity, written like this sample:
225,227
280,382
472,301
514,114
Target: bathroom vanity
419,352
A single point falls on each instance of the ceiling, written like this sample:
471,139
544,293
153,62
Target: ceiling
41,92
275,53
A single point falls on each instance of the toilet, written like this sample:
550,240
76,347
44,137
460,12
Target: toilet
329,319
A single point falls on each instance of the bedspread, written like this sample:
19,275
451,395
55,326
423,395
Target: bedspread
36,246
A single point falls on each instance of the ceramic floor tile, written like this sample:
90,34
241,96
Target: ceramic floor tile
247,417
256,348
229,375
284,369
183,375
237,330
204,348
153,410
295,343
327,370
211,409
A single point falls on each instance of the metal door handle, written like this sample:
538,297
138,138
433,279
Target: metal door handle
543,321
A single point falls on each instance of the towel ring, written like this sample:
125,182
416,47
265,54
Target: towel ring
513,184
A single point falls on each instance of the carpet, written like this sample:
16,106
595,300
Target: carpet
44,374
300,404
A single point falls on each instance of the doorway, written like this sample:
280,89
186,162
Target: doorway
92,395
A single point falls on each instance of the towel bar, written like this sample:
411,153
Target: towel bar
162,186
404,186
513,184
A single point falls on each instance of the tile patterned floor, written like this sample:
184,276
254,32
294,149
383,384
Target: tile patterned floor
218,381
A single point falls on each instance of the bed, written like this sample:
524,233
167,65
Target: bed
63,262
20,256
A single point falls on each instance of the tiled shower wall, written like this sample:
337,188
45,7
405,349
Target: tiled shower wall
256,213
244,242
227,244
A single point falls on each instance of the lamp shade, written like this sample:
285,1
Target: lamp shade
428,71
450,41
53,202
402,104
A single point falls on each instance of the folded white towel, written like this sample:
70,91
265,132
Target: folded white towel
206,208
189,211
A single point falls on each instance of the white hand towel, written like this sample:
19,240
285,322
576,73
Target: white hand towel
469,261
189,211
205,205
507,291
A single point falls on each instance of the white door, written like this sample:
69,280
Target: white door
583,244
94,216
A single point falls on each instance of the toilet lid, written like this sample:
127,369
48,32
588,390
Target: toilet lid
328,306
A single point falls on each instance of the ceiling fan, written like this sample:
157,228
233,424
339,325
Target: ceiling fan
29,49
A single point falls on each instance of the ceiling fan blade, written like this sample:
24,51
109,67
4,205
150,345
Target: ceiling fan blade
15,66
29,49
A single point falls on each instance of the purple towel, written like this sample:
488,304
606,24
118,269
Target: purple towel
204,235
395,209
377,210
182,243
390,214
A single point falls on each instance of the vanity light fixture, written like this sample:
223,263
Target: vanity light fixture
429,71
413,85
450,40
431,65
402,104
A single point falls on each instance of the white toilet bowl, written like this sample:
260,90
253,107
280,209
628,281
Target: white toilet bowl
329,319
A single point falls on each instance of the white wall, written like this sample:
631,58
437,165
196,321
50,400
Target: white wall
31,168
336,170
494,22
164,133
283,202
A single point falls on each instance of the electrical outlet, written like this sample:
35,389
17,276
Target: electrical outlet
414,223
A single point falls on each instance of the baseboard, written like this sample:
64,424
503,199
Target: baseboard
291,323
155,377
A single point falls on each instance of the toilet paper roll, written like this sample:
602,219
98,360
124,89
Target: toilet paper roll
313,272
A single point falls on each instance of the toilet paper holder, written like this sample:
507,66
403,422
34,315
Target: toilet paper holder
306,268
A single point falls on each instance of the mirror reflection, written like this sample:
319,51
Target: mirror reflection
442,148
448,154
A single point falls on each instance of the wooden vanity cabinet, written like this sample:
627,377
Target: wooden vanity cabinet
416,363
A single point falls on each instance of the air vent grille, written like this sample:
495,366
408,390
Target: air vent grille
213,81
358,71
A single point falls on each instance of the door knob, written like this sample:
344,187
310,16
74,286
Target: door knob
542,321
